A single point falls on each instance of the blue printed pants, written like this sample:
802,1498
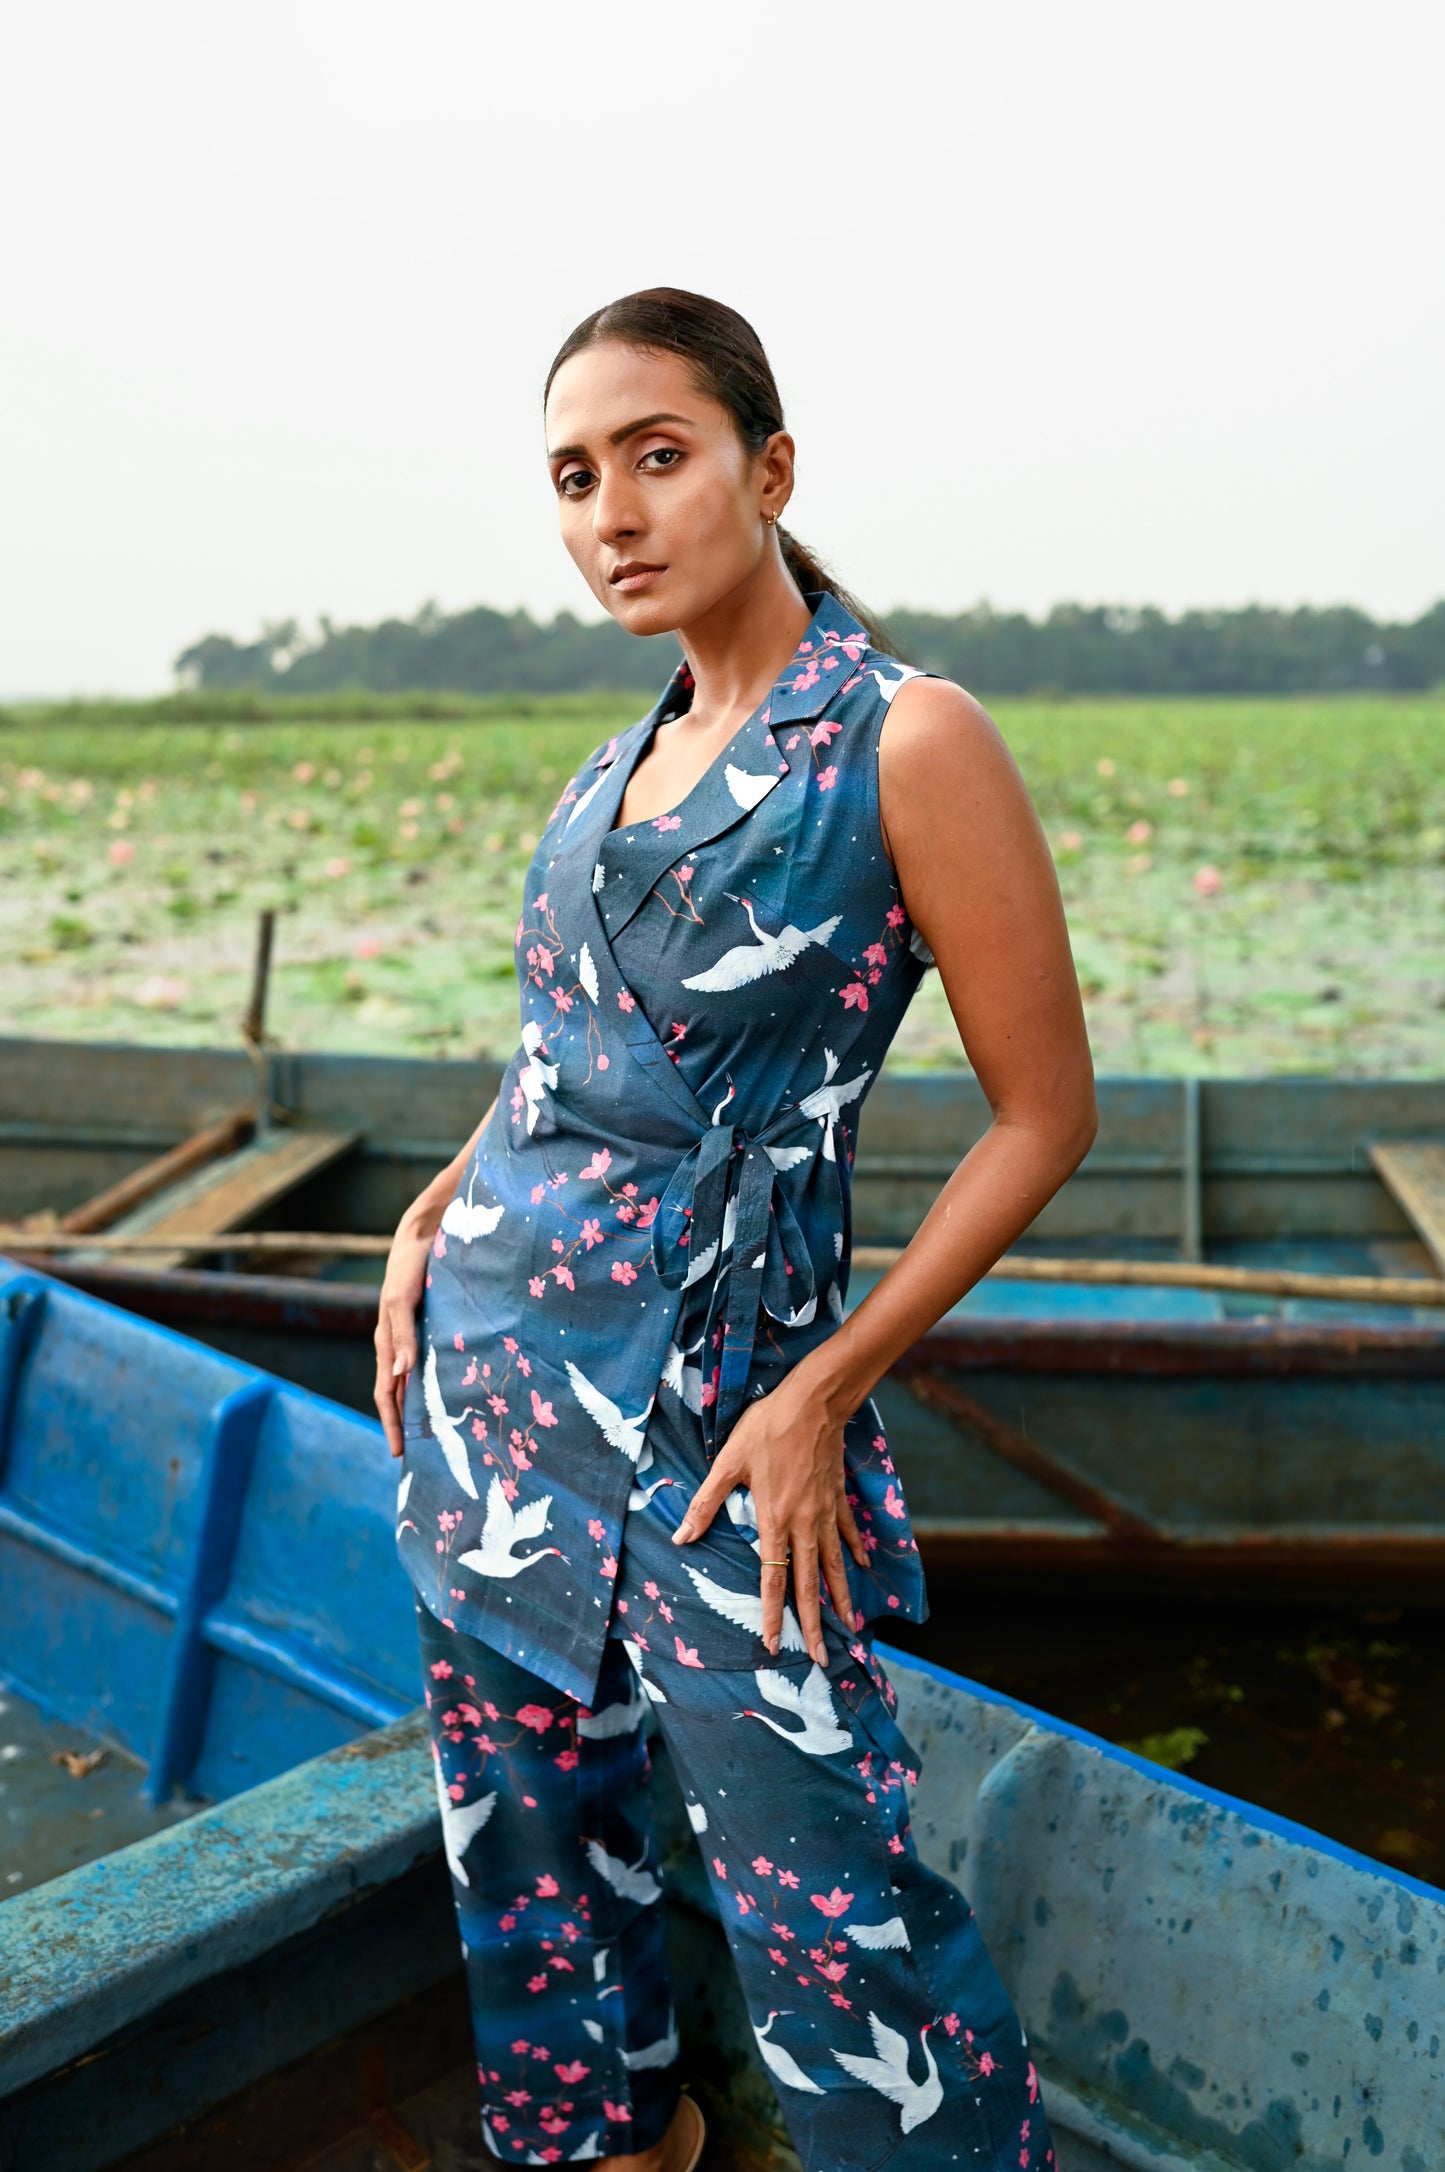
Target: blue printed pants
888,2033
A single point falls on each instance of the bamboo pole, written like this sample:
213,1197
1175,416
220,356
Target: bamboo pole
1146,1274
1194,1275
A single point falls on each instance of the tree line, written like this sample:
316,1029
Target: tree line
1076,649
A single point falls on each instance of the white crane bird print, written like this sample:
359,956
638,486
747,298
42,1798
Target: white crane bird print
765,954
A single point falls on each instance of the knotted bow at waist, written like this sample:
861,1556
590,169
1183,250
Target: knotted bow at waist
730,1217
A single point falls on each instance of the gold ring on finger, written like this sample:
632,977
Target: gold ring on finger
776,1564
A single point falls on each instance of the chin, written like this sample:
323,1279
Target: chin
643,614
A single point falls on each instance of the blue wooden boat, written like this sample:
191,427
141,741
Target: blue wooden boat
197,1570
1156,1434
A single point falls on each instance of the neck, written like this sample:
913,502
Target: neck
738,648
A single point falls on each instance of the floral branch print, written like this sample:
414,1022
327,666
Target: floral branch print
876,958
635,1215
684,1653
511,1448
685,910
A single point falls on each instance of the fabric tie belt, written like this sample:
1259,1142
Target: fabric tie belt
727,1217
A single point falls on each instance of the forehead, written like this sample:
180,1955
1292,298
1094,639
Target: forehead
609,385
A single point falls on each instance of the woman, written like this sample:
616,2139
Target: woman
640,1462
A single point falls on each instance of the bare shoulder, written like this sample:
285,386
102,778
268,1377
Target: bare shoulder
937,736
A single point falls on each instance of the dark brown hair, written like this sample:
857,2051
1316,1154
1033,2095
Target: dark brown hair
729,365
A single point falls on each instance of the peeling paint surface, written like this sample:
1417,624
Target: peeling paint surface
1189,1968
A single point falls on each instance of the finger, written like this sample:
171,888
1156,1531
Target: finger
773,1577
389,1411
806,1587
848,1527
705,1503
835,1574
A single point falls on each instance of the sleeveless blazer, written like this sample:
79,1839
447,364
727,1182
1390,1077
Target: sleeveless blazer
659,1205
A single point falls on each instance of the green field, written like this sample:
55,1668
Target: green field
1252,886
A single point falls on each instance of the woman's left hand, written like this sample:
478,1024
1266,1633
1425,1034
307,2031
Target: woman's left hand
787,1448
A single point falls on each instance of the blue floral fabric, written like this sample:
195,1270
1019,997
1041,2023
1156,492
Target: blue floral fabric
658,1210
881,2019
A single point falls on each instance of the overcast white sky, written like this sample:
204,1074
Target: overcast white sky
1102,302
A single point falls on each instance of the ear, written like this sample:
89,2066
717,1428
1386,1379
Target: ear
775,473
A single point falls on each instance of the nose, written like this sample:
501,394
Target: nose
616,515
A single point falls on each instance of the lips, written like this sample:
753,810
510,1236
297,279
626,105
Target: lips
634,573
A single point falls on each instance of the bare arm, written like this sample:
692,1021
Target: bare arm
978,882
403,1284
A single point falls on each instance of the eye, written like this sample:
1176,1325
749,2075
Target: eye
669,455
572,481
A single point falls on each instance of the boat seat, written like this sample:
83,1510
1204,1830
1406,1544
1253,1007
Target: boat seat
226,1194
197,1561
1413,1170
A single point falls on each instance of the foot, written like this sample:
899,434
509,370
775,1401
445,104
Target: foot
676,2152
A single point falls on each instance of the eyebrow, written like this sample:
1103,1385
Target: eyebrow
619,437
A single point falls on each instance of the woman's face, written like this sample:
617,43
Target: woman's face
661,504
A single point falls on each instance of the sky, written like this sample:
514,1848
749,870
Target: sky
1116,303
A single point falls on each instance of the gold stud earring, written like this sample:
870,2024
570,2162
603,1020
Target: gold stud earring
771,519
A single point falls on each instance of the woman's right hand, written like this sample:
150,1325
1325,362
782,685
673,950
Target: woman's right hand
401,1295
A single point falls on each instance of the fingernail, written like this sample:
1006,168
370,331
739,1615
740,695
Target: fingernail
683,1531
820,1652
398,1367
772,1644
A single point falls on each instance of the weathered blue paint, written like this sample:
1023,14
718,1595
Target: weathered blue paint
164,1579
111,1941
1205,1985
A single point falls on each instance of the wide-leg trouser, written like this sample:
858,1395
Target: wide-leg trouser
882,2019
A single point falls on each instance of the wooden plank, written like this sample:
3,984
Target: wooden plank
222,1197
1389,1559
157,1176
1123,1524
1184,1274
1414,1171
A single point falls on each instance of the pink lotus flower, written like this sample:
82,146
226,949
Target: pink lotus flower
160,993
